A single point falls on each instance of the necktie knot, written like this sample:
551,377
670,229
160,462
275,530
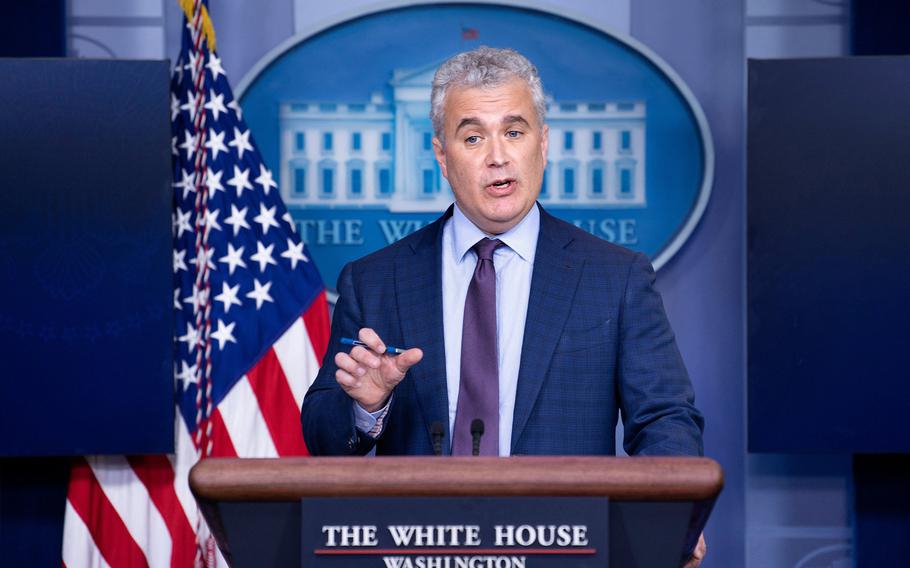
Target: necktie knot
485,247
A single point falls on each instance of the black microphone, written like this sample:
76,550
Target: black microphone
437,432
476,433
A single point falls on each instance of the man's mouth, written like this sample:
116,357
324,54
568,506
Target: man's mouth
501,184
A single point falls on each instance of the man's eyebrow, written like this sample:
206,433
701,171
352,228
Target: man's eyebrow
468,121
510,119
513,118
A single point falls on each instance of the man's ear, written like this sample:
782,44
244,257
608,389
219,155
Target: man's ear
440,153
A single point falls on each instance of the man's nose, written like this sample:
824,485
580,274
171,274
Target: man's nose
497,155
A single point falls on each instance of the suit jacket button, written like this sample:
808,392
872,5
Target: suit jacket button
352,443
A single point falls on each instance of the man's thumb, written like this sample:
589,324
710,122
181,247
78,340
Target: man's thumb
408,359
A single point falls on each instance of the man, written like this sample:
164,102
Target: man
544,331
579,333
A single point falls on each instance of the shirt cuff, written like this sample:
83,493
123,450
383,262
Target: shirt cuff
370,423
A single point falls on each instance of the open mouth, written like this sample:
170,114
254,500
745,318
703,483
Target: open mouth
502,184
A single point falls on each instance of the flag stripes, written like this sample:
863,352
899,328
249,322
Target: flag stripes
242,278
107,530
170,541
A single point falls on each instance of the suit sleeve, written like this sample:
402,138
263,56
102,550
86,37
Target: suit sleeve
656,395
327,415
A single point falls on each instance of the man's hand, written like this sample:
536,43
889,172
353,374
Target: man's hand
370,375
698,554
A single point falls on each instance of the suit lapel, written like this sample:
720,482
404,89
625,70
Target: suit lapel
553,287
418,278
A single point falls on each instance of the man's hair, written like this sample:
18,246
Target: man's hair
484,68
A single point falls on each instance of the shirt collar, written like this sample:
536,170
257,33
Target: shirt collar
522,238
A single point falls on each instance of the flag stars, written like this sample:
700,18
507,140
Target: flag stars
237,219
263,256
178,71
175,106
215,104
189,144
196,299
265,178
177,305
241,143
182,222
266,218
241,180
211,220
190,106
193,59
214,66
191,337
224,334
294,253
206,257
188,374
187,183
228,296
215,143
233,258
213,181
260,293
179,262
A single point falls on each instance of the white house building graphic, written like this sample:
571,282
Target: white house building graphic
380,154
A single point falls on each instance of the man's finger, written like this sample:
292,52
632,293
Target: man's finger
345,362
365,357
698,554
371,338
408,359
345,379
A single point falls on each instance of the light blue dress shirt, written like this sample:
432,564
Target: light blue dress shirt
514,266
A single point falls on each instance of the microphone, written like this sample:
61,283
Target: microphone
476,433
437,432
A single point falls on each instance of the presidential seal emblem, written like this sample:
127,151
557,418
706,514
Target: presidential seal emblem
342,112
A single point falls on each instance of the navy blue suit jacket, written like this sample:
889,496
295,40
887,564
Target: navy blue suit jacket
596,340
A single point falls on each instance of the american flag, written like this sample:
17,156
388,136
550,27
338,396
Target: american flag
251,327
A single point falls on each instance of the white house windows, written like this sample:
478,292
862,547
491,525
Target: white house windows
300,171
569,178
625,179
427,186
384,186
327,179
355,178
625,142
380,155
596,178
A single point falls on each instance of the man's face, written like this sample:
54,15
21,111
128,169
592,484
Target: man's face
495,153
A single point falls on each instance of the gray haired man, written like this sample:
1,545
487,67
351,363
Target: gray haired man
514,317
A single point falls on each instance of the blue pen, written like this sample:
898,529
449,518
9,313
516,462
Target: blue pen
388,349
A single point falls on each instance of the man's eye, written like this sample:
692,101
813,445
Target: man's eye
472,139
513,134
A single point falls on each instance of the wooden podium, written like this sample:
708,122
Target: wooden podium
657,506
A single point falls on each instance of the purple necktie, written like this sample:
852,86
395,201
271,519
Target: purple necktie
478,395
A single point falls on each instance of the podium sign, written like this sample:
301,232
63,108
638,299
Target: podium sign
292,511
450,532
